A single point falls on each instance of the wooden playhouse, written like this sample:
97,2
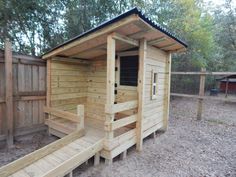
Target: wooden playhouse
108,88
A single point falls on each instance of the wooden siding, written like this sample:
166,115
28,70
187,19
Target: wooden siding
68,85
96,97
153,112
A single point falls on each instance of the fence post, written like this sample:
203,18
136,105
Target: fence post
227,87
9,92
201,94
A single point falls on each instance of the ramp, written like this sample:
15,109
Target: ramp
58,158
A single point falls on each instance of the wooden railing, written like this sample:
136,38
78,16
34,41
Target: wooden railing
121,122
114,125
111,109
77,118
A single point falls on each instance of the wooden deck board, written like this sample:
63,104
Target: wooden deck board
20,173
33,171
84,147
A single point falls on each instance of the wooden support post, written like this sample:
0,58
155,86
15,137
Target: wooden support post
9,92
123,155
97,159
154,137
201,93
108,161
227,88
141,82
110,97
167,92
80,113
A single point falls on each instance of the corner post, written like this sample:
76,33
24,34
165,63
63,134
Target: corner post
110,87
9,92
168,86
141,84
110,98
201,93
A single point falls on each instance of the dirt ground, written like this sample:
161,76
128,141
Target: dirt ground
188,148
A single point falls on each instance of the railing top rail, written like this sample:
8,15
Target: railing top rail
204,73
111,109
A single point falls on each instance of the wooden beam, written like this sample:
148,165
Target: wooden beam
108,29
121,122
62,114
157,41
29,98
141,93
75,160
14,166
128,53
119,140
167,46
125,39
110,97
204,97
204,73
71,60
139,34
167,100
121,106
9,92
30,93
201,93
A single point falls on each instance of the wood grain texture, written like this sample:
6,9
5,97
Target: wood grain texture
28,90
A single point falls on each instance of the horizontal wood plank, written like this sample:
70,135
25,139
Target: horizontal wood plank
111,109
62,114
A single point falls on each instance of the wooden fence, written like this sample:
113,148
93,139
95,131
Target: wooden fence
22,94
201,96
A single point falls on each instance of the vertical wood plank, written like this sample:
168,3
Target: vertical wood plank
9,92
201,93
2,97
42,78
48,83
35,87
167,86
141,92
110,97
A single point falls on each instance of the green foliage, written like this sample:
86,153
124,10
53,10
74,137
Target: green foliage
36,26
